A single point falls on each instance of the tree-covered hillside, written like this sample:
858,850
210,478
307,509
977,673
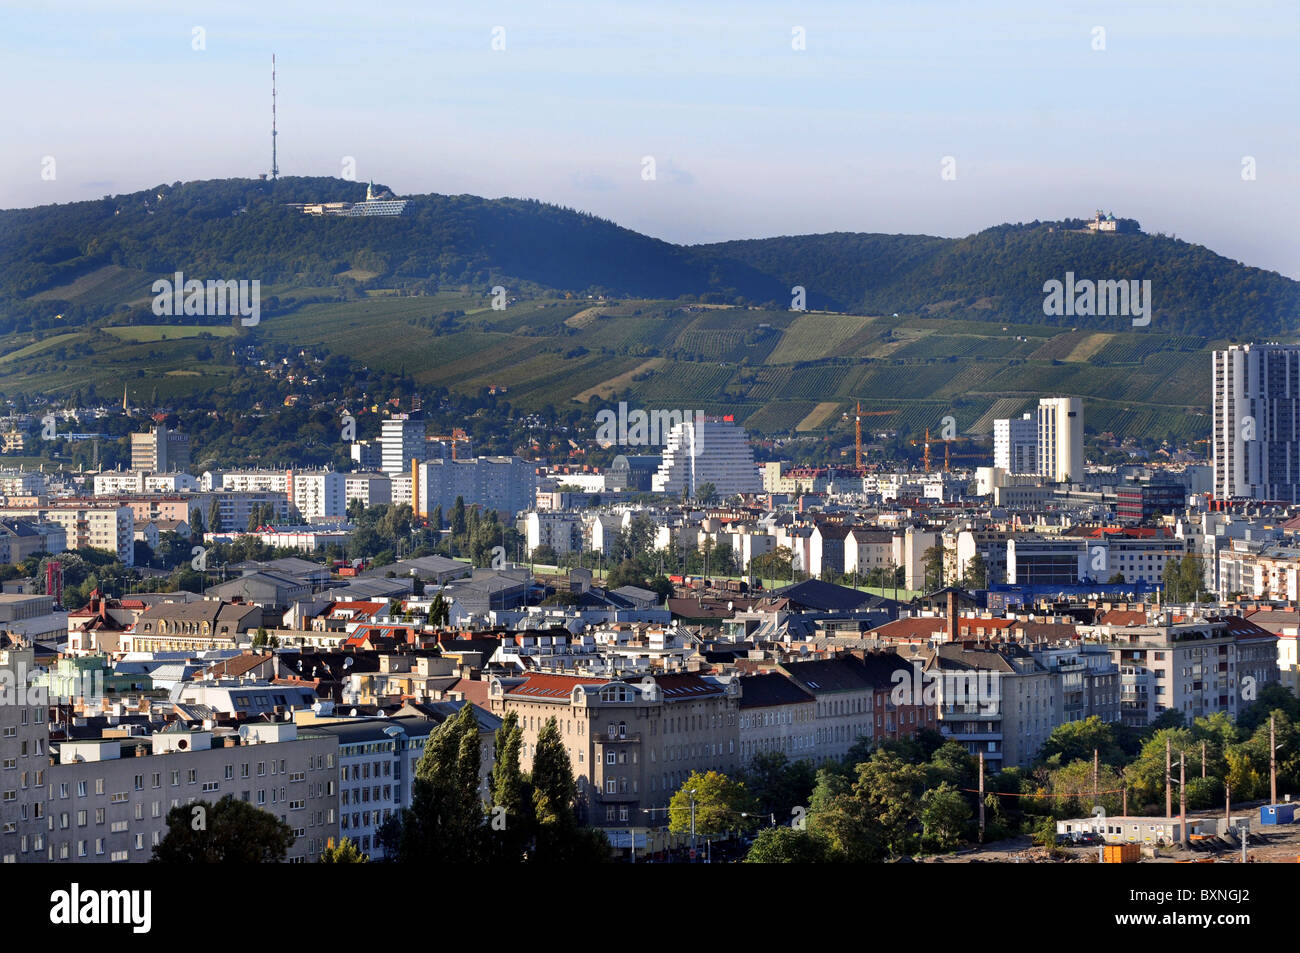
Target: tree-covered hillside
67,265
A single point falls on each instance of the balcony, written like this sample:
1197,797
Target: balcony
632,738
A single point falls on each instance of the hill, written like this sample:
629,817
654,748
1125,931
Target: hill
917,327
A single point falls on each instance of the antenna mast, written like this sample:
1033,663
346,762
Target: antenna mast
275,169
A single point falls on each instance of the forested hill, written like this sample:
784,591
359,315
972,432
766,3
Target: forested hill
239,228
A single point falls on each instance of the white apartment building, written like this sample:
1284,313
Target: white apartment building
716,452
559,530
1015,444
1257,422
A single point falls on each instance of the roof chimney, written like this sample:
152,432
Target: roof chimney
952,615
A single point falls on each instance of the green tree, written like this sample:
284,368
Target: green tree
891,791
459,524
944,816
786,845
512,820
445,823
720,803
346,852
977,572
230,831
1075,741
559,838
932,563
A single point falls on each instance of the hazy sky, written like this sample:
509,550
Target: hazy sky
750,136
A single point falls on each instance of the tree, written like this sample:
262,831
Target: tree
786,845
719,804
346,852
1075,741
779,785
932,562
706,494
891,790
458,521
559,837
439,610
944,816
512,820
230,831
445,822
977,572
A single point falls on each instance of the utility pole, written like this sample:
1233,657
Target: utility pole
1182,795
1202,759
1095,771
1272,759
981,797
1169,778
1124,809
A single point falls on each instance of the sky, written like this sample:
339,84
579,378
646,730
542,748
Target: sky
1047,109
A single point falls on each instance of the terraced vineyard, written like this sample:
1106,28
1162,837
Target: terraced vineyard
769,369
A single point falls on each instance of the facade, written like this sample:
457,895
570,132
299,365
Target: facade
712,451
1192,667
631,743
401,440
24,760
107,800
844,697
1060,439
95,525
191,626
160,451
1257,422
776,717
997,700
506,484
1015,444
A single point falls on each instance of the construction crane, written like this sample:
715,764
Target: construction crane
857,430
948,455
458,435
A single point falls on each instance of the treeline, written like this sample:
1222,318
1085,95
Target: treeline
920,794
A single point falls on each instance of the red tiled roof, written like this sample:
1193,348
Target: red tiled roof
553,686
1124,617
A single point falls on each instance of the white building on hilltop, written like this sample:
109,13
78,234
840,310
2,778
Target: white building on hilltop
715,451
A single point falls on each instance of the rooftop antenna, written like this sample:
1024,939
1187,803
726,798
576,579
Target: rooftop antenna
275,168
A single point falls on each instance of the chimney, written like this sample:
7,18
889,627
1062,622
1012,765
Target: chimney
952,615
